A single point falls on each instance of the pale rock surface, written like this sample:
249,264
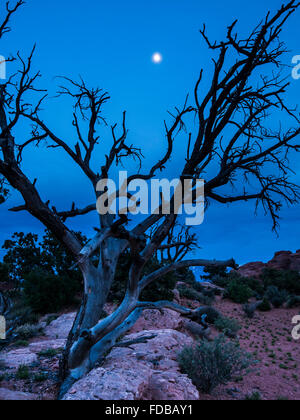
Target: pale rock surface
150,319
156,320
8,395
60,328
29,355
146,371
15,358
46,345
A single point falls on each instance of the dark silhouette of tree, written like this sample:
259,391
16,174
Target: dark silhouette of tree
232,141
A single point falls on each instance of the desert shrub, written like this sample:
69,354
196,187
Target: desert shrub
192,294
209,364
21,343
23,373
228,326
211,314
276,297
49,353
220,281
282,279
21,314
239,289
206,300
293,301
27,331
188,292
238,292
249,309
253,284
46,293
255,396
213,272
40,377
265,306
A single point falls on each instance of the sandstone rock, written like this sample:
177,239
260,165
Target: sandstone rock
8,395
282,260
146,371
171,386
153,319
45,345
253,269
176,295
15,358
60,328
115,384
285,260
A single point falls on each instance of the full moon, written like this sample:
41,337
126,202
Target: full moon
157,58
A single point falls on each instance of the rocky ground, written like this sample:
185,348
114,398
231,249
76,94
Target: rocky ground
150,371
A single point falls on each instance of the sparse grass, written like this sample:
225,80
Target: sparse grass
255,396
23,373
21,343
40,377
28,331
49,353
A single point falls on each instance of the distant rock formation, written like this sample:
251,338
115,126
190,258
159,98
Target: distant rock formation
282,260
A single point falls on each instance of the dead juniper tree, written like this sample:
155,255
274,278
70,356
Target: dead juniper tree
248,160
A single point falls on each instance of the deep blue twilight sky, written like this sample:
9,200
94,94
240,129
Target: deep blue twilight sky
110,44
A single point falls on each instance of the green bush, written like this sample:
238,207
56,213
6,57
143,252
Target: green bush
276,297
27,331
49,353
228,326
21,343
282,279
23,373
40,377
21,312
188,293
265,306
46,293
213,272
238,292
249,309
255,396
211,314
209,364
293,301
192,294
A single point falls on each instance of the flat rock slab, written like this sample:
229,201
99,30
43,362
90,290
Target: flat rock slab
46,345
60,328
15,358
8,395
143,372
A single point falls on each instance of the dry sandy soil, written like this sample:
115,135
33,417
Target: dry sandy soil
268,337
